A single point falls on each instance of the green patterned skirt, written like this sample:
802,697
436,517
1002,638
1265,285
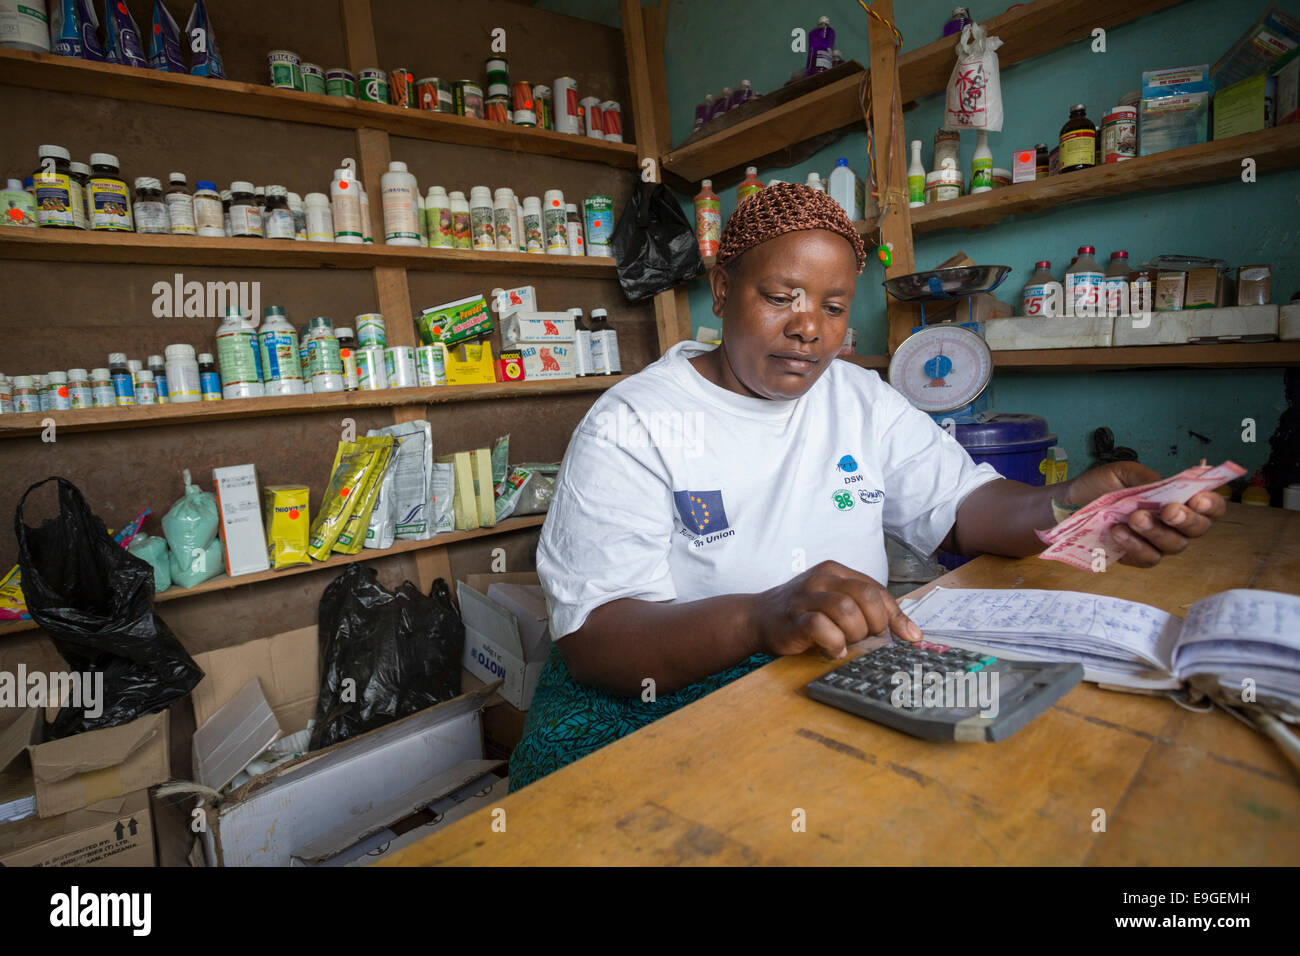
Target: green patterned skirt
568,720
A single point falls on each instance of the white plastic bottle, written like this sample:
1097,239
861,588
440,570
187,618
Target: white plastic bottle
366,235
1034,297
604,345
814,181
981,165
462,236
1085,277
237,358
400,194
324,361
299,212
278,223
555,228
533,242
503,220
582,366
437,209
846,189
421,219
78,389
277,340
520,244
320,221
480,219
916,177
57,396
145,392
345,202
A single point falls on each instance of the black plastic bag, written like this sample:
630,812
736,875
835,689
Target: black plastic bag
654,246
96,600
400,650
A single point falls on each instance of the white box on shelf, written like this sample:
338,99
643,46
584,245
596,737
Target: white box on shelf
1040,332
544,360
240,505
1238,323
521,327
1288,322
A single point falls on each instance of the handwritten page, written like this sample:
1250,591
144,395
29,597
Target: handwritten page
1244,635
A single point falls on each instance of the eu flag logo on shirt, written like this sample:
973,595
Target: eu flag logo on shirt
701,511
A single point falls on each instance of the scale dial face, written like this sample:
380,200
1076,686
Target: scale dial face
941,368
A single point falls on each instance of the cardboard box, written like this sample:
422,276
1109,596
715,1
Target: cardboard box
1204,289
114,832
1254,285
507,634
1176,82
1286,73
540,327
547,359
1269,37
1024,166
1288,322
1245,107
89,768
454,322
508,301
242,534
484,488
464,500
1171,286
503,724
1254,323
470,364
1172,122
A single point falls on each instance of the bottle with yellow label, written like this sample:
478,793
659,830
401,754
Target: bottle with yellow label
110,203
1078,141
59,203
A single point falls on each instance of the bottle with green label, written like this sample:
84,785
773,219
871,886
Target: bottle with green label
916,177
981,165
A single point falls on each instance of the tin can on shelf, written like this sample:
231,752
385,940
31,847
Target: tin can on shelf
497,70
564,106
401,88
340,82
593,124
285,68
468,97
542,105
313,79
611,115
431,93
371,373
496,109
1119,134
524,109
430,368
373,86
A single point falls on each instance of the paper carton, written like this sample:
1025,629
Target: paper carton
113,832
547,360
507,636
241,519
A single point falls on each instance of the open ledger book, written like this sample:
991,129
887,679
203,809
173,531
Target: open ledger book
1233,636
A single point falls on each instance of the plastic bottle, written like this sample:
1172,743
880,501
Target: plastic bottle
57,396
421,222
916,177
59,201
1086,277
134,366
703,111
582,366
1078,141
1114,284
604,345
19,207
534,240
180,206
123,386
299,213
348,356
821,47
1036,289
981,164
960,18
209,378
102,394
183,383
245,213
320,221
721,103
304,358
81,175
400,192
6,396
225,210
279,222
741,94
237,357
110,204
555,219
25,397
480,219
573,226
42,399
79,391
520,244
159,371
460,221
345,201
325,362
846,189
437,209
751,185
150,209
814,181
209,216
503,220
708,219
146,393
366,235
277,341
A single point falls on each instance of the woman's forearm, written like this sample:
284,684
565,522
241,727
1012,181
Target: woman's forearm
624,642
1002,516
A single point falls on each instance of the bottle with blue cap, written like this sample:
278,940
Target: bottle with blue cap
846,189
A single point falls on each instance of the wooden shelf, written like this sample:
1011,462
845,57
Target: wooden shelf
48,71
224,583
66,245
877,363
1227,355
1272,149
1026,31
28,424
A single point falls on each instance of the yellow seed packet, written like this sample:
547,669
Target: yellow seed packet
351,461
288,526
352,537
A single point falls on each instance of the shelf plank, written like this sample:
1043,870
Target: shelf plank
877,363
66,245
28,424
224,583
1026,31
48,71
1272,149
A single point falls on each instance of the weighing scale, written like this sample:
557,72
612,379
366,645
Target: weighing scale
944,369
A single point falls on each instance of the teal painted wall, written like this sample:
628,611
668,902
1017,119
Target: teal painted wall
718,43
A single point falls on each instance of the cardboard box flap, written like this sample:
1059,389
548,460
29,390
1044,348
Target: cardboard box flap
528,604
233,737
57,760
403,805
489,618
17,737
286,663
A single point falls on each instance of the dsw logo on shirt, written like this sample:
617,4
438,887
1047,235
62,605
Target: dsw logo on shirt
702,513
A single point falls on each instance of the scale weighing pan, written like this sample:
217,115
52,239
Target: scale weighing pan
945,284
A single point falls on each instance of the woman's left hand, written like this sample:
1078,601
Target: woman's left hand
1148,535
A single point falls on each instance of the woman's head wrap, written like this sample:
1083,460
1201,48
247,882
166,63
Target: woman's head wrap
782,208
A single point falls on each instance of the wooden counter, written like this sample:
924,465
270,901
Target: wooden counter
718,782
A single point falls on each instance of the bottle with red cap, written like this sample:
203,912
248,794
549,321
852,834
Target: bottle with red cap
1083,283
1114,285
1035,294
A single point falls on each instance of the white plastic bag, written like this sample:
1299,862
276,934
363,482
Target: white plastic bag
974,89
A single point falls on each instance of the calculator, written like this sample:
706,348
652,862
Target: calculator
940,692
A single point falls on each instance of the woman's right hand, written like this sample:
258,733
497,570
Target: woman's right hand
829,607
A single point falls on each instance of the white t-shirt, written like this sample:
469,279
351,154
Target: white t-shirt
675,489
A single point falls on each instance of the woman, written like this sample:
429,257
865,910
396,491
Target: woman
727,505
